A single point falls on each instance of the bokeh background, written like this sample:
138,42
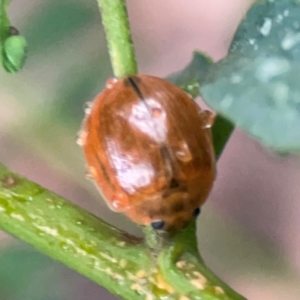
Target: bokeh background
249,229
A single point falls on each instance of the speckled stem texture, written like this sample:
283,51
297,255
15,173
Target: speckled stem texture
117,29
121,263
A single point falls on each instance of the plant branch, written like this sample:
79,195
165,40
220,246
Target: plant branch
116,25
121,263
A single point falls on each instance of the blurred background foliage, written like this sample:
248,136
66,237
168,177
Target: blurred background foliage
248,232
256,86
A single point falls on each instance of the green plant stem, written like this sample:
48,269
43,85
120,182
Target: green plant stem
121,263
116,25
4,21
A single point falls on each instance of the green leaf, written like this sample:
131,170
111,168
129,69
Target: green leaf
193,74
221,131
257,85
12,45
14,53
191,79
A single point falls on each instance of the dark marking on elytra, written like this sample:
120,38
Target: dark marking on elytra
167,159
104,172
105,175
165,153
133,82
154,212
170,191
163,210
174,183
177,206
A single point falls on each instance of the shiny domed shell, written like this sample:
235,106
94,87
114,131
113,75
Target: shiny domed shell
149,149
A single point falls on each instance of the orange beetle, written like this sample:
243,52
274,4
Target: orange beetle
149,150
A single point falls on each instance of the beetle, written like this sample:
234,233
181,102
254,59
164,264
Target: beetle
149,149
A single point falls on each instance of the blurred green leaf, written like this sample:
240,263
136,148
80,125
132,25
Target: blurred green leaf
257,84
193,74
55,21
190,79
14,53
